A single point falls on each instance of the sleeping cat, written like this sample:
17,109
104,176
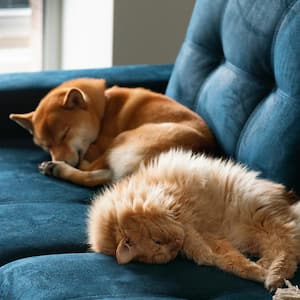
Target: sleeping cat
210,210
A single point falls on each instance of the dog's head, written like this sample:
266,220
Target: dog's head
68,119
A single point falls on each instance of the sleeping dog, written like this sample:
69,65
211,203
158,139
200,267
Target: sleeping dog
97,135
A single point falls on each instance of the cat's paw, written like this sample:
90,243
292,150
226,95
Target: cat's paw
280,270
51,168
273,282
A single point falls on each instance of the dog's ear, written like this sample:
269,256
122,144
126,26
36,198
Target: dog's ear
24,120
75,98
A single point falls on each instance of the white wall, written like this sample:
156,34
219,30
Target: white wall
87,32
149,31
102,33
52,34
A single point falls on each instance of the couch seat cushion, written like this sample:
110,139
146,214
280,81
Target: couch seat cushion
41,228
96,276
38,214
20,180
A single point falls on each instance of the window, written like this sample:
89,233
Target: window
46,34
4,4
20,35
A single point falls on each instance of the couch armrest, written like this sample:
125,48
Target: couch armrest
21,92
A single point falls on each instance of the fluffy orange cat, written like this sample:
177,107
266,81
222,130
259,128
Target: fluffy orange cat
212,211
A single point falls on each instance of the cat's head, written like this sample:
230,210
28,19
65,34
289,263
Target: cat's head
150,237
134,226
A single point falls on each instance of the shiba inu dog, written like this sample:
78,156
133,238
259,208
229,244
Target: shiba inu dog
97,135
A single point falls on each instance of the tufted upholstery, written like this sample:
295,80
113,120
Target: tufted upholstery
239,67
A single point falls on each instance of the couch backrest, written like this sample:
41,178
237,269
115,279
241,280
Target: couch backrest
239,67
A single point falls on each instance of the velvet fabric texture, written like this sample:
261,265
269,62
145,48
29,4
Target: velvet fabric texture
239,68
95,276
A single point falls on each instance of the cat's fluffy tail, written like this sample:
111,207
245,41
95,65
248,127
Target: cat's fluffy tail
296,211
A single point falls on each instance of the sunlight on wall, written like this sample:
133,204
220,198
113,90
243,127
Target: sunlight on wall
87,34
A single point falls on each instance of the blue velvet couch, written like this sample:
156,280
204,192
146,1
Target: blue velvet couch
239,67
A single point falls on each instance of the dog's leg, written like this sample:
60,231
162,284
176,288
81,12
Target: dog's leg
64,171
141,144
98,164
127,151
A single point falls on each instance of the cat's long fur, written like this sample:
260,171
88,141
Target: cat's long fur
212,211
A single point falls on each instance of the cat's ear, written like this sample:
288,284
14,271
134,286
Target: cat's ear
126,251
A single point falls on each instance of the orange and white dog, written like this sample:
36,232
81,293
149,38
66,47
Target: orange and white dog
97,135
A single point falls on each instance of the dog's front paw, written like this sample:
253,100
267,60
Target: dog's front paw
50,168
84,165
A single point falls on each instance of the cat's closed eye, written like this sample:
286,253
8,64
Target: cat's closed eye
157,241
